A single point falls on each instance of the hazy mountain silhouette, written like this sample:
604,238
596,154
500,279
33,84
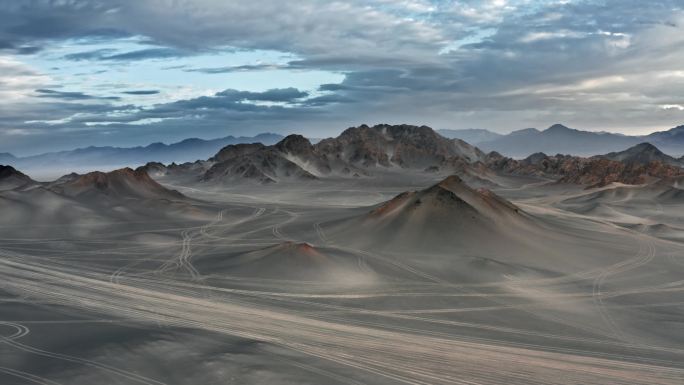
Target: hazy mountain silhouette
642,153
114,157
558,139
357,151
470,135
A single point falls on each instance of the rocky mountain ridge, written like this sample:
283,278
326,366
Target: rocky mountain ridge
367,151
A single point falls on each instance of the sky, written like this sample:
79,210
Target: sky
75,73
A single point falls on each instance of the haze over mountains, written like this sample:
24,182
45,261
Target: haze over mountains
358,151
559,139
470,135
643,153
369,152
91,158
10,178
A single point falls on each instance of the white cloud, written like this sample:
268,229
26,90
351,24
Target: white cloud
677,107
585,85
537,36
18,80
671,74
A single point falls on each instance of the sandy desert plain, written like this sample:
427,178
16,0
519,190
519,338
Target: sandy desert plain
395,276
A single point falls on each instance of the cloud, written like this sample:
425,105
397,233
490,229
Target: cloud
240,68
97,54
71,113
141,92
18,80
677,107
327,99
111,55
283,95
47,93
313,26
548,35
27,50
144,54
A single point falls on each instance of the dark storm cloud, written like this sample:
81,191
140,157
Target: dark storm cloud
44,20
327,99
313,26
285,95
144,54
110,55
28,50
141,92
97,54
237,104
9,47
46,93
241,68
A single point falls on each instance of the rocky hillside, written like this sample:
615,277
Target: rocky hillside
448,215
404,146
356,152
601,172
120,184
10,178
452,194
368,151
293,158
636,165
642,153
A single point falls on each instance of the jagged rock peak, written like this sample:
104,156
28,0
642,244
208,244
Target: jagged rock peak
295,144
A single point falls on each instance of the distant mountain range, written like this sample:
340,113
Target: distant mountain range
470,135
559,139
366,151
7,158
369,152
643,153
636,165
670,141
114,157
358,151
